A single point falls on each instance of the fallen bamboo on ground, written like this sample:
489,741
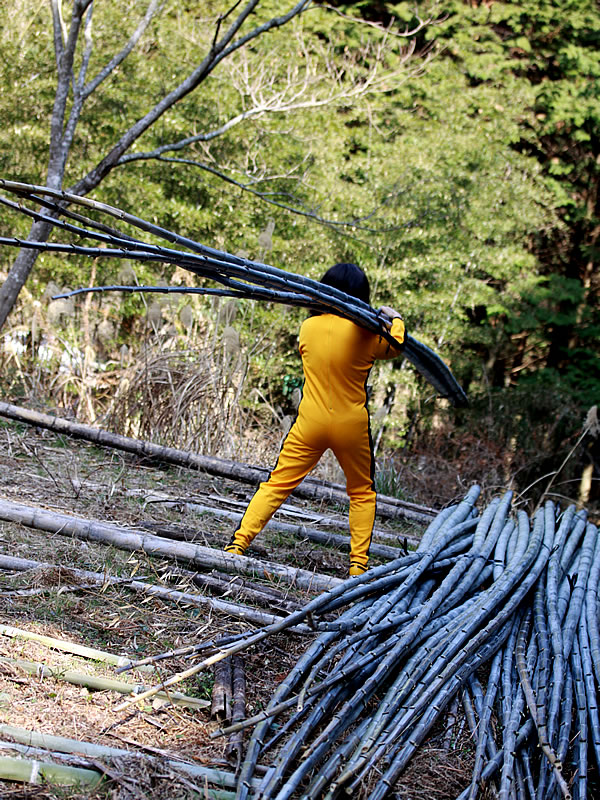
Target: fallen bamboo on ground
222,692
41,753
327,538
29,738
65,646
98,683
307,530
26,770
99,769
411,635
136,540
235,743
309,489
363,585
320,535
246,613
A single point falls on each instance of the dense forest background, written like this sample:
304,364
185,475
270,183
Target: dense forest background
450,148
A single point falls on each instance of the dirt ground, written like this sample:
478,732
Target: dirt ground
53,472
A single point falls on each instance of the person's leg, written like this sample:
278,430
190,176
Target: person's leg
353,449
299,454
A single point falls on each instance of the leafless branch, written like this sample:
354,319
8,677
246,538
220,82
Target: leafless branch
297,207
65,47
227,45
60,33
78,96
260,94
300,89
153,9
249,8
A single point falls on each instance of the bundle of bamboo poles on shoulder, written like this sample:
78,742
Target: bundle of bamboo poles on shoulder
236,276
514,595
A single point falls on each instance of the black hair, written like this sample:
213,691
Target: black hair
350,279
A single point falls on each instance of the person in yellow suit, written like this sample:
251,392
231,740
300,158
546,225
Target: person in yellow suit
337,356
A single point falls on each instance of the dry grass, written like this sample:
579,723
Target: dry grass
172,398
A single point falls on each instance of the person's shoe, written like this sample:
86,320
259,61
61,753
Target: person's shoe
357,569
234,549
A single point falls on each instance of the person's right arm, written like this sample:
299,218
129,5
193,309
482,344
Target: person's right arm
395,325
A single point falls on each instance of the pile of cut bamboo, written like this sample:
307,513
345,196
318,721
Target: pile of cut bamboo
517,596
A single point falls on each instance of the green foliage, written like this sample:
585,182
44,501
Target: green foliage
532,286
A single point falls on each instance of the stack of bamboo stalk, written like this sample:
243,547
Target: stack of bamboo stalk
517,596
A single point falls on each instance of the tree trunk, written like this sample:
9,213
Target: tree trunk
19,272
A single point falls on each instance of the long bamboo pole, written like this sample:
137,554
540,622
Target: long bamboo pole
246,613
138,540
319,536
26,770
241,277
486,613
310,489
64,645
31,738
99,683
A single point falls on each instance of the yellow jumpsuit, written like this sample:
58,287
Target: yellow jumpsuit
337,356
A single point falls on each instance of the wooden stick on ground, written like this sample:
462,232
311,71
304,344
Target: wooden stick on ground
222,693
235,743
314,526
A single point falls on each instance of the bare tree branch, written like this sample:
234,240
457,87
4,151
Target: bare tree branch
78,97
234,28
291,98
407,33
153,9
60,33
298,208
221,18
87,53
66,55
347,81
221,50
